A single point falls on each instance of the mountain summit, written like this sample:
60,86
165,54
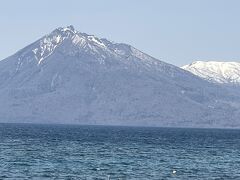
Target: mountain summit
72,77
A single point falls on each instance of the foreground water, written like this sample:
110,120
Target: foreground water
91,152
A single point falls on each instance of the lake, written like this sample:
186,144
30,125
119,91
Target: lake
30,151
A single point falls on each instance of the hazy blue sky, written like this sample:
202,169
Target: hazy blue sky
175,31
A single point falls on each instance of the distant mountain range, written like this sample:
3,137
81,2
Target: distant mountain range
75,78
217,72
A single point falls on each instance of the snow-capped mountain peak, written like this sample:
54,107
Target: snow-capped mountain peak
68,28
70,42
215,71
46,45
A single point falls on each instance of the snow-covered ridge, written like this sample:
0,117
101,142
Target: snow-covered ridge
217,72
69,42
46,45
72,42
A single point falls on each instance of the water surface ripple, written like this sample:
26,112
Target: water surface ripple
98,152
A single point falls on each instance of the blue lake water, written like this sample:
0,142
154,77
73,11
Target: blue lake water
98,152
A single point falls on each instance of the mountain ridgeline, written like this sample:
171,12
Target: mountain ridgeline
227,73
75,78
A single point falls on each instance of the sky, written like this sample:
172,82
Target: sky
175,31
